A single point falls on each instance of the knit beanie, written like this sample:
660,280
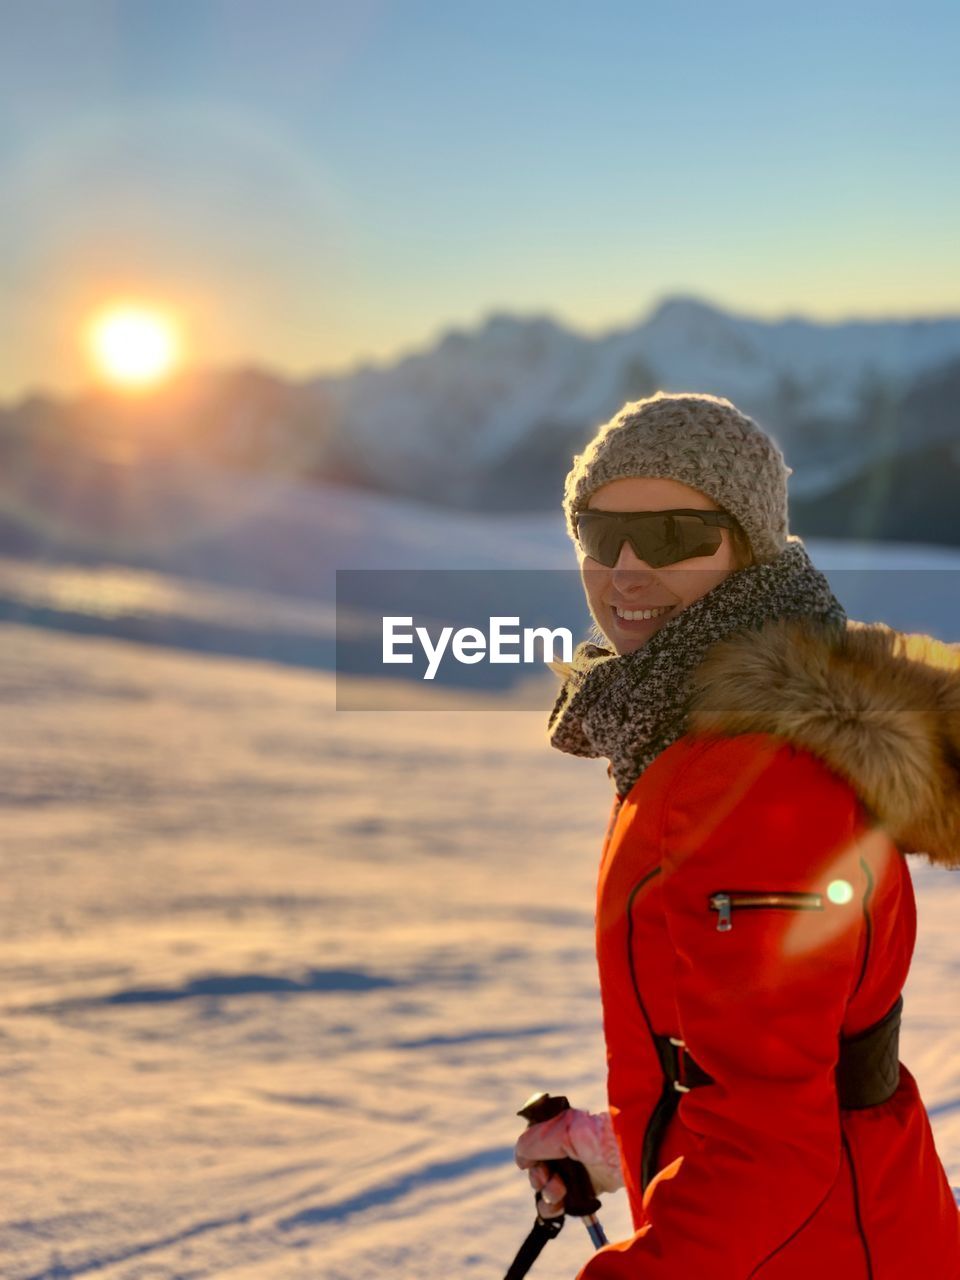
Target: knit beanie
702,441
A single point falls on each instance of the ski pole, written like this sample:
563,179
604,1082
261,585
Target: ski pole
580,1200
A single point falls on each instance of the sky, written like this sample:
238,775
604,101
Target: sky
309,185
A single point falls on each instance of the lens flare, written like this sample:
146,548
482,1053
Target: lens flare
840,891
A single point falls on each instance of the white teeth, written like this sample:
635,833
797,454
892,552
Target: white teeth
635,615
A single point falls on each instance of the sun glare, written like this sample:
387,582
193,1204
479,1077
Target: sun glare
134,346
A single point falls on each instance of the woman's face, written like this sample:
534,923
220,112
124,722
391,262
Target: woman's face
631,584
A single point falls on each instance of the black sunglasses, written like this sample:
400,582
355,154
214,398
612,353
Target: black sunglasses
658,537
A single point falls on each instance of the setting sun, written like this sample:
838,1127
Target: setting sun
134,346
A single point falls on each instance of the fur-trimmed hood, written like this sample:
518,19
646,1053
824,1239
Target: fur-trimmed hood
879,707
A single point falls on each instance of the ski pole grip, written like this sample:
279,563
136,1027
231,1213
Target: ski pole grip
580,1200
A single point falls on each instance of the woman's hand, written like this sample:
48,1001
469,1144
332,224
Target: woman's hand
579,1135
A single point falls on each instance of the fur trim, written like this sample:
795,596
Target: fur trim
879,707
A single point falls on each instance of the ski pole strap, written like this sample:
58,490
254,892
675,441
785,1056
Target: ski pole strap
867,1072
544,1230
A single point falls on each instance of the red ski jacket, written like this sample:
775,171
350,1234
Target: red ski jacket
755,905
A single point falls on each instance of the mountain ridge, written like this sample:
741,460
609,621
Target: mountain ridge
489,418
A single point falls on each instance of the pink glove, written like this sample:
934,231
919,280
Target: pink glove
581,1136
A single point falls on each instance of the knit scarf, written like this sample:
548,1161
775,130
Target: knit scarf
630,707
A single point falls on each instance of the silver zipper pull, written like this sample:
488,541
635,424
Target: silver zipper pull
721,903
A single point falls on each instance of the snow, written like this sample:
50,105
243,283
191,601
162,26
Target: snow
290,974
259,579
277,976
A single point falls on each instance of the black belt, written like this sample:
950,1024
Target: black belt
867,1073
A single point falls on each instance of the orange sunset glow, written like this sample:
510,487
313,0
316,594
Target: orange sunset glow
133,347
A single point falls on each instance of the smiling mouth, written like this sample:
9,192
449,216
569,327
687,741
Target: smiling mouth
633,616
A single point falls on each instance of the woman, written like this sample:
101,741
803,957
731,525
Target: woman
755,914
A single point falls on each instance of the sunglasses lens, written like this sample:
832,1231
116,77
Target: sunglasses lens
657,539
600,538
689,538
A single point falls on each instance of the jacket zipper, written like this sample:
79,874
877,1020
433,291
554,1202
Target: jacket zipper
725,903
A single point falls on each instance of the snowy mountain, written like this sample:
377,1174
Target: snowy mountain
488,419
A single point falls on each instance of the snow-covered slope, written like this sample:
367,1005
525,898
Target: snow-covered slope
248,565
